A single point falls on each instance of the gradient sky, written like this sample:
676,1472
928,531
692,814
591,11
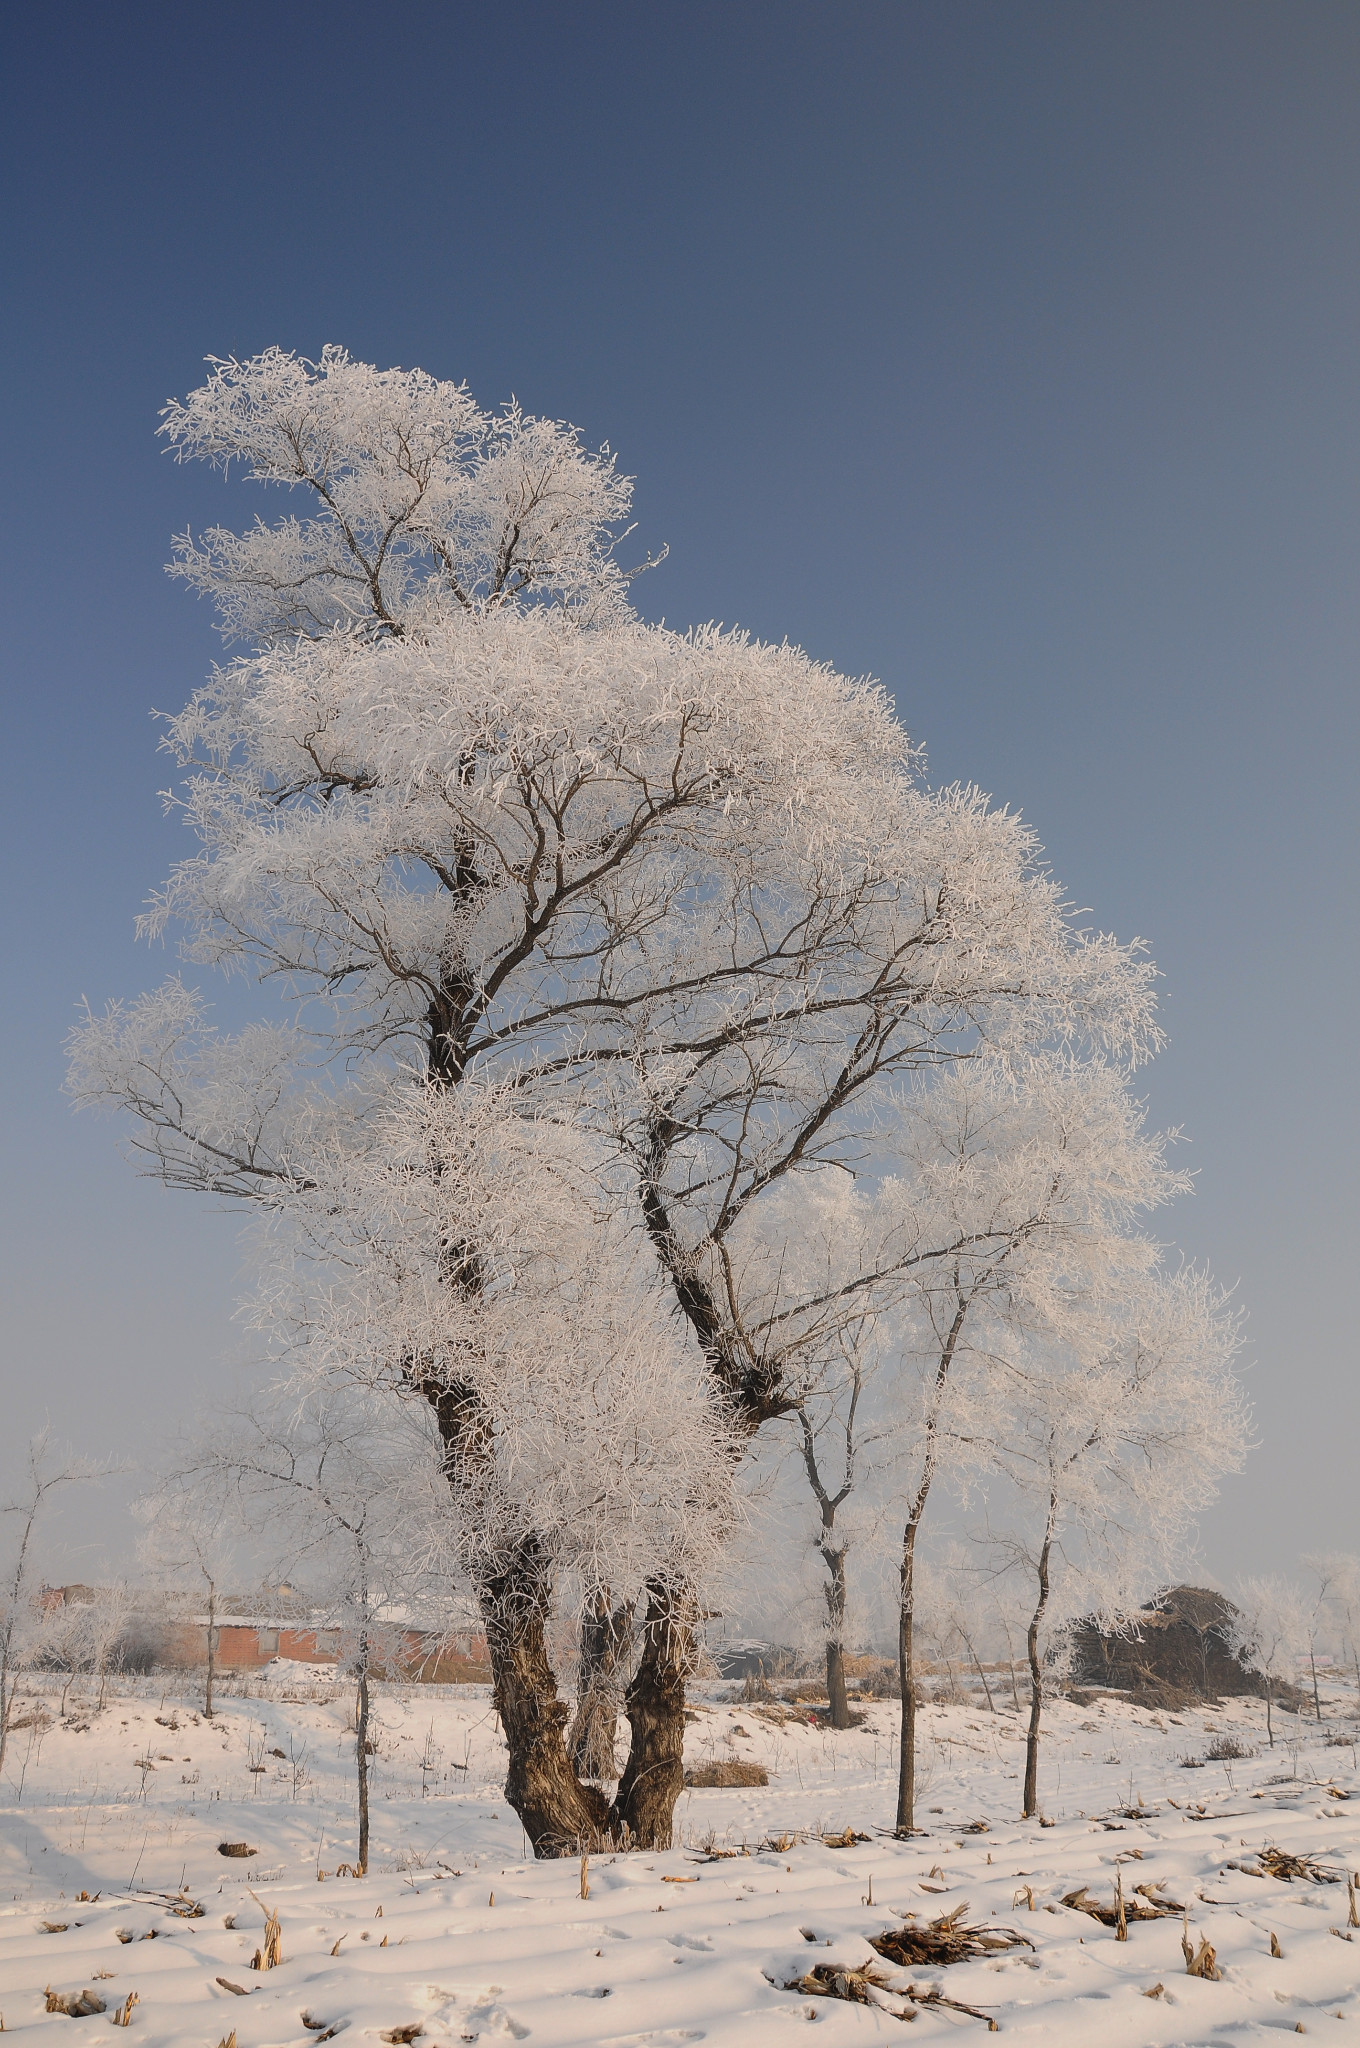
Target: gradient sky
1007,351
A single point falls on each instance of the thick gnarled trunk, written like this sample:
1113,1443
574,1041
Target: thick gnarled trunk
643,1813
560,1815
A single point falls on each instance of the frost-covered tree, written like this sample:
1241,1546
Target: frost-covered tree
681,894
340,1495
1337,1577
1271,1631
831,1441
48,1469
1022,1178
1118,1422
191,1544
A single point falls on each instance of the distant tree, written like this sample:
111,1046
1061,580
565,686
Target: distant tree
1271,1632
20,1618
1031,1173
832,1429
681,894
1116,1431
1337,1575
192,1541
334,1495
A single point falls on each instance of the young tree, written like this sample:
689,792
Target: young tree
191,1540
834,1434
106,1625
1272,1632
1117,1430
340,1494
1338,1580
682,892
1027,1171
20,1622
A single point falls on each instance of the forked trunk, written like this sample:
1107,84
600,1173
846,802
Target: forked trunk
643,1813
559,1814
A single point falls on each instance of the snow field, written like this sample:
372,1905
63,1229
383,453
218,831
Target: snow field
457,1933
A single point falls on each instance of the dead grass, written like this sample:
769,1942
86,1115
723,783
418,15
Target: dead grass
718,1776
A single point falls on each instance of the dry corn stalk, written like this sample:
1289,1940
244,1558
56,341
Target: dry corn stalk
271,1955
1201,1961
123,2016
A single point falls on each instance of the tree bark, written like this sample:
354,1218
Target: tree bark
361,1760
837,1698
1036,1673
906,1677
837,1702
606,1633
643,1812
560,1815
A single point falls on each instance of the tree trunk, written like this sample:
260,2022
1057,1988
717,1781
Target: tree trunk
361,1759
212,1654
1270,1727
906,1674
606,1633
836,1694
835,1639
643,1813
1317,1703
1036,1674
6,1700
561,1816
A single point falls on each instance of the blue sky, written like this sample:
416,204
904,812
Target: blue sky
1005,351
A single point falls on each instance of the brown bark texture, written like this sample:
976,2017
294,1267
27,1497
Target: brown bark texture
560,1815
643,1812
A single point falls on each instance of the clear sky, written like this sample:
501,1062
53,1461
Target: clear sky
1007,351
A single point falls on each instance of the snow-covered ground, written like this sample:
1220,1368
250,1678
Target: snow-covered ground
457,1934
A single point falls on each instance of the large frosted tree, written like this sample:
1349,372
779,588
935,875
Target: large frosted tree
490,839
